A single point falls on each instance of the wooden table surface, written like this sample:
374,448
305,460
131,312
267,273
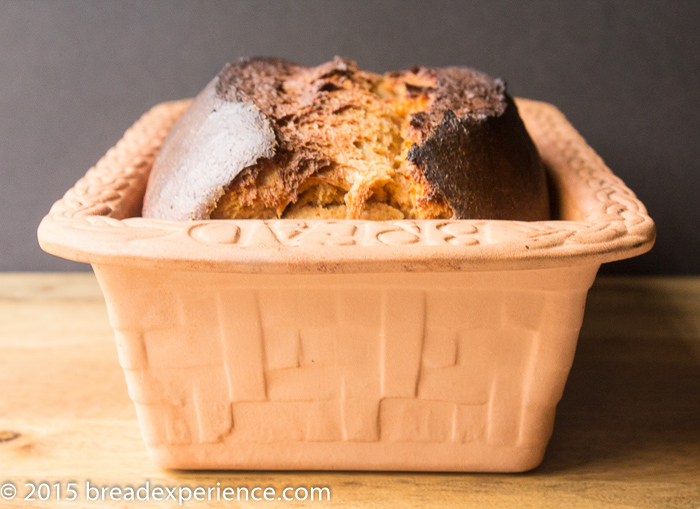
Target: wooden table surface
627,432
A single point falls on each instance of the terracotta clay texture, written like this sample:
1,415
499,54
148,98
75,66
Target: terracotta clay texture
406,345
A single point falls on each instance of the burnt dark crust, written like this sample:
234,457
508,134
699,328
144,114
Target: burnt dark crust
468,93
475,152
484,165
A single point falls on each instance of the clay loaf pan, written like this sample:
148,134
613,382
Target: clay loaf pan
411,344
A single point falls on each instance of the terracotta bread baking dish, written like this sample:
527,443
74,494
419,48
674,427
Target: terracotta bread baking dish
360,345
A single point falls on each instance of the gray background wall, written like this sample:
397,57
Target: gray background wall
75,74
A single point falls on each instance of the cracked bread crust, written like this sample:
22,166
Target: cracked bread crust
418,144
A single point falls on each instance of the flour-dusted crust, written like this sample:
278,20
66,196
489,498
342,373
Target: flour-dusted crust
213,141
270,139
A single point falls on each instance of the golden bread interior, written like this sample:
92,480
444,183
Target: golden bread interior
362,129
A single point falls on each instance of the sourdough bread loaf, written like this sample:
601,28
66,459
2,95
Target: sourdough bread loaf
269,138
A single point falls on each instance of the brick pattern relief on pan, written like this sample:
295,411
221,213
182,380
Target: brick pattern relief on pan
367,365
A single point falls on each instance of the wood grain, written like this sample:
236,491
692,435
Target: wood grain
627,432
